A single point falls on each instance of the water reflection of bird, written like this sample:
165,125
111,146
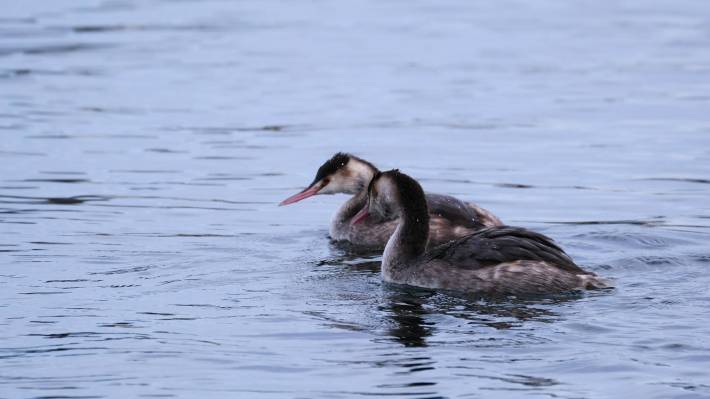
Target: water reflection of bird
449,218
407,314
408,310
494,261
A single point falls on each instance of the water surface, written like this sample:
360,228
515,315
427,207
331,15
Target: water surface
145,145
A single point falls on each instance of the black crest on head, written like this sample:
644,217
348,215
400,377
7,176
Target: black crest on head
331,166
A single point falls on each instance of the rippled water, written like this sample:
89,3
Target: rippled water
145,145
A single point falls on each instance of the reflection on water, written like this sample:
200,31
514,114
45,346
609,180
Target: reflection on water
145,146
414,312
410,327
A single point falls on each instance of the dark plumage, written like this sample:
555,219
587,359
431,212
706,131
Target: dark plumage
495,245
495,260
455,210
414,211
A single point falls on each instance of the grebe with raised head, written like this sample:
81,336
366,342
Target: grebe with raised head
449,218
500,260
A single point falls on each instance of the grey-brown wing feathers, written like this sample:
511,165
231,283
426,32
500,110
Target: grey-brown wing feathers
454,210
495,245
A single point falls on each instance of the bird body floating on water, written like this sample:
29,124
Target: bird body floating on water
449,218
498,260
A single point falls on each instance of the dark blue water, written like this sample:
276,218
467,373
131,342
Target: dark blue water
145,144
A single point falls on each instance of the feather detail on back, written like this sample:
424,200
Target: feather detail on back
495,245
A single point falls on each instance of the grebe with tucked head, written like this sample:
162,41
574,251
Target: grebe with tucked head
449,218
500,260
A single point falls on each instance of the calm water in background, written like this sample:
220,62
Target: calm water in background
144,145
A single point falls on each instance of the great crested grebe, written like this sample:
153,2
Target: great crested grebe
499,260
449,217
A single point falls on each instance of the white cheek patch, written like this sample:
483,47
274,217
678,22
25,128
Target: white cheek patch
351,179
335,186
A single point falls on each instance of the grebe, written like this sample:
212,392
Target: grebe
499,260
449,217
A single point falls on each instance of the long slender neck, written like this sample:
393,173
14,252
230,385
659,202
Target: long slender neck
410,238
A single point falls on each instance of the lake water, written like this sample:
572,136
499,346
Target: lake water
145,145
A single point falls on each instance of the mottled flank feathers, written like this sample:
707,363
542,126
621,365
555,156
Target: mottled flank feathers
495,245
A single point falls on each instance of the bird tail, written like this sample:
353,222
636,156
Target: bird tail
592,282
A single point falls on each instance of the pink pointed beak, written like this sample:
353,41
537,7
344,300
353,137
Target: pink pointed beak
309,192
362,215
